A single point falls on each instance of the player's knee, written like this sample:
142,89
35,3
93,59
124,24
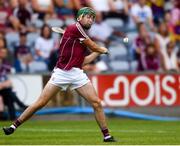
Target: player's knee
97,104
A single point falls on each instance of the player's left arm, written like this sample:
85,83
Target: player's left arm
88,59
93,46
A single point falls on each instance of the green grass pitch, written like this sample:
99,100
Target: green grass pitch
126,131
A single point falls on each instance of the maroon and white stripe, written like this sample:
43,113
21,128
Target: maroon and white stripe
81,30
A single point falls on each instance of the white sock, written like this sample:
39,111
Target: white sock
12,126
107,137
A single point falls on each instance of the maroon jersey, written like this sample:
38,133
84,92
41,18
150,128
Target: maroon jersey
71,49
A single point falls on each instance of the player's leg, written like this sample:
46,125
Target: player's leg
48,92
88,92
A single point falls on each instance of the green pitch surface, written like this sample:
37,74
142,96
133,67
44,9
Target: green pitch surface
87,133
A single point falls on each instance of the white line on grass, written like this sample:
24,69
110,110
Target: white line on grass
89,145
90,130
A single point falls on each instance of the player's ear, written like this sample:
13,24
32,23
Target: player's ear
80,17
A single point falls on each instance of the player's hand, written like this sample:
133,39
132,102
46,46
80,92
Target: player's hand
104,50
107,52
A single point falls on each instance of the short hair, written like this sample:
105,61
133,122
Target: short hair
42,29
86,10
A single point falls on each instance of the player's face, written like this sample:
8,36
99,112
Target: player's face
87,21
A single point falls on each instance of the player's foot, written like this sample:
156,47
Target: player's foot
8,130
110,139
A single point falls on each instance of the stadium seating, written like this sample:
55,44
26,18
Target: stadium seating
114,22
55,22
31,38
12,39
119,66
132,35
69,21
118,52
38,23
133,66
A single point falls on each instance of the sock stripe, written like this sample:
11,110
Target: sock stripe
17,123
105,132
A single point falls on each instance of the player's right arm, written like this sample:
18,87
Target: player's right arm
94,47
83,37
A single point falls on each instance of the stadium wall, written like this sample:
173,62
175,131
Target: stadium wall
157,94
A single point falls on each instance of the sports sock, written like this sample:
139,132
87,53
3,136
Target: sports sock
105,132
16,124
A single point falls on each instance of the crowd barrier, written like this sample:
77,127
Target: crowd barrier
117,91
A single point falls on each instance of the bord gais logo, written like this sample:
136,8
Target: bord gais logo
131,91
156,90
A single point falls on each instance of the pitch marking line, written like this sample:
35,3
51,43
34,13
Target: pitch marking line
89,130
91,145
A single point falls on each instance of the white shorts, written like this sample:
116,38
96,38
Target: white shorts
73,78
